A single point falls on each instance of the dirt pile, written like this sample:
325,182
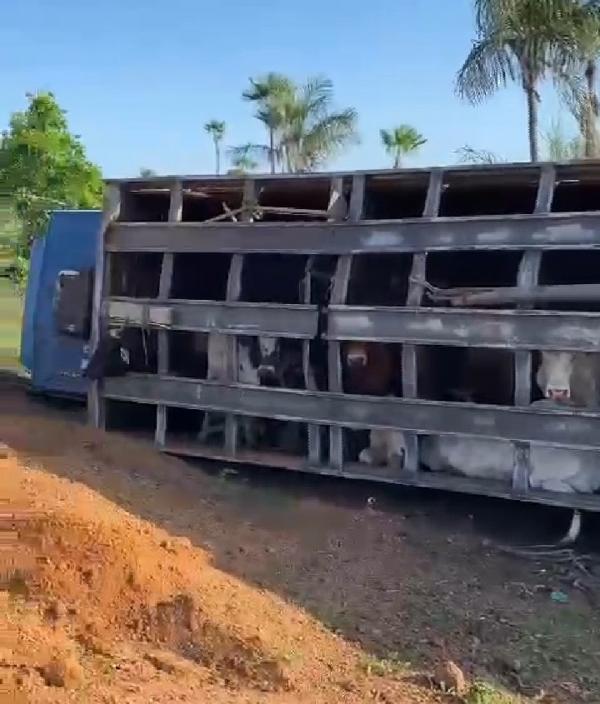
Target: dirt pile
102,606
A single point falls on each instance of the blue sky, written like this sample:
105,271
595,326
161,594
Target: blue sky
139,78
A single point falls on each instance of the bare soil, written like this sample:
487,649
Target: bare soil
142,578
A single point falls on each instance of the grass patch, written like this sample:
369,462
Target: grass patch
11,311
485,693
391,666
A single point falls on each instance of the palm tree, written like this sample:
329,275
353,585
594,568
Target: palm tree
241,157
312,132
401,141
304,130
271,93
579,80
216,129
517,40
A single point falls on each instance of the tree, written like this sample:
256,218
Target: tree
517,40
44,166
559,147
312,131
304,130
216,129
401,141
579,80
146,172
242,160
271,94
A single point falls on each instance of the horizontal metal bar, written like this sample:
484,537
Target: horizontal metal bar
559,427
234,318
577,168
428,480
482,296
507,232
514,329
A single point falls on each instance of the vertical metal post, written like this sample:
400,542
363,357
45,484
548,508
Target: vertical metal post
111,210
339,292
164,290
527,277
234,290
414,297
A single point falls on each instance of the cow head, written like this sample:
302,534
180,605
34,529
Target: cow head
554,375
269,349
356,355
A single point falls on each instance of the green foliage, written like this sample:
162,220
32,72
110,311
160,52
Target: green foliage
518,41
401,141
303,128
242,159
483,693
559,147
43,166
469,155
392,666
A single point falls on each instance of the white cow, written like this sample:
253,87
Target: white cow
386,447
570,377
247,373
564,377
552,468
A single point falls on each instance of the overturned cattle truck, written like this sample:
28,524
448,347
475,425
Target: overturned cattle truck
417,303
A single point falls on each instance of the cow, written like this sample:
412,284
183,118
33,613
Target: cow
562,469
570,378
386,448
563,377
370,368
261,361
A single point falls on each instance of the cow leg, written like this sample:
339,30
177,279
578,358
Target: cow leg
556,485
249,430
365,456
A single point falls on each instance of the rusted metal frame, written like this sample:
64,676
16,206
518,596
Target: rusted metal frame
455,327
339,292
164,289
550,231
528,276
414,298
542,425
111,210
233,318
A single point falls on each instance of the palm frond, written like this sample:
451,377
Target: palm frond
469,155
488,66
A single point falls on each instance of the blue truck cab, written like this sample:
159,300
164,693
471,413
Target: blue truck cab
58,303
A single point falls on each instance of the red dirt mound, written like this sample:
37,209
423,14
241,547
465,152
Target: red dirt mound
101,606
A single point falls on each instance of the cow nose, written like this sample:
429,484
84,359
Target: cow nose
557,394
266,371
357,360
